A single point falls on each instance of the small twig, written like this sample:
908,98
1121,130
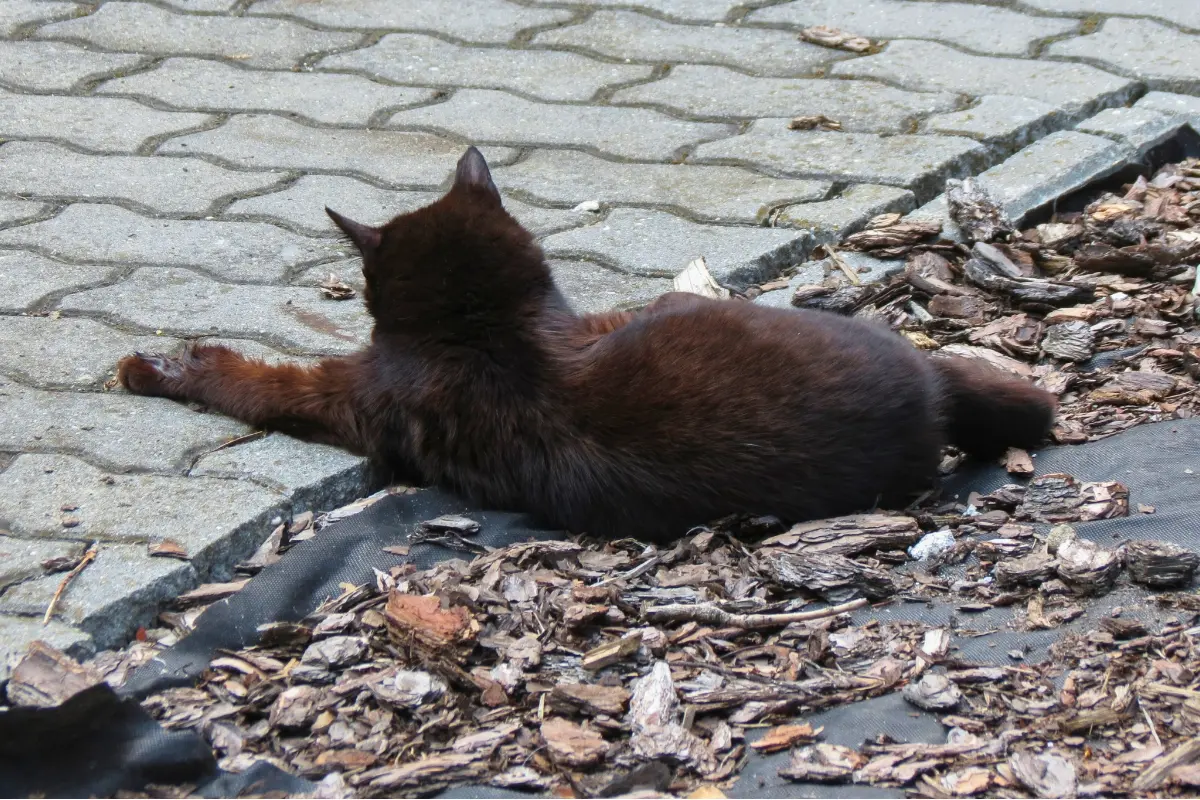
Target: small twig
711,615
1150,722
639,570
836,257
88,558
248,437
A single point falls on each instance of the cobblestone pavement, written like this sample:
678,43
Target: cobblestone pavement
165,167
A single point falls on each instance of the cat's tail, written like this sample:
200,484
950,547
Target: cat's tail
987,411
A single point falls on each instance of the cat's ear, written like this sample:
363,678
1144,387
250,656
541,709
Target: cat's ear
473,173
365,238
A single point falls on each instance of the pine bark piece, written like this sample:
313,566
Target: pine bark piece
1018,462
899,234
823,763
977,215
1086,567
432,773
1101,257
1057,497
932,274
1160,565
1028,570
835,578
1158,772
1134,389
933,692
1070,341
1046,774
826,36
849,535
611,652
589,699
296,707
571,744
46,677
696,279
784,737
421,618
997,360
654,719
987,275
973,309
840,301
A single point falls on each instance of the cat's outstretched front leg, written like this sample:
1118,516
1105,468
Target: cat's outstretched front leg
314,403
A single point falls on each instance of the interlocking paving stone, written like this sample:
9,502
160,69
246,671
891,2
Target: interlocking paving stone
21,559
1162,56
312,476
930,66
244,251
56,66
495,21
592,289
491,116
1177,105
830,220
26,278
863,106
15,13
303,205
1138,127
1002,120
200,84
116,593
121,432
658,244
1049,168
629,35
693,10
261,141
721,193
17,210
168,185
985,29
920,163
182,303
95,123
17,633
201,5
414,58
66,352
36,486
1181,12
144,28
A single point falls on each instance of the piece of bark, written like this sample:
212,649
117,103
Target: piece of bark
996,549
1070,341
1160,565
897,235
421,618
589,699
784,737
835,578
933,692
431,774
823,763
989,356
712,615
814,122
1028,570
826,36
1122,627
611,652
987,275
696,279
1086,567
578,615
168,548
654,719
1133,388
1157,773
1016,334
1060,236
976,213
209,592
848,536
46,677
571,744
1046,774
840,301
1057,497
452,522
971,308
398,688
1018,462
296,707
1101,257
996,260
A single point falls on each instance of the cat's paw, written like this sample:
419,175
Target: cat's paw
154,375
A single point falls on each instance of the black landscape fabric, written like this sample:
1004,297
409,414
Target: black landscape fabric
101,742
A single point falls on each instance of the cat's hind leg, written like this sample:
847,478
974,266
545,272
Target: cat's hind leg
311,402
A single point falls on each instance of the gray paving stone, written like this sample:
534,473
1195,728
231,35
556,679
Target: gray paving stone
243,251
491,116
183,303
413,58
116,593
718,193
658,244
15,13
27,278
1187,108
982,28
95,123
167,185
56,66
19,210
303,205
1181,12
637,37
144,28
593,289
1162,56
311,476
919,163
494,21
119,431
200,84
202,6
863,106
929,66
66,352
402,158
808,274
1001,120
1047,169
690,10
22,559
17,633
830,220
868,268
1140,128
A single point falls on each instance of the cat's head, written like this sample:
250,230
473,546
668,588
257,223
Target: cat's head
452,268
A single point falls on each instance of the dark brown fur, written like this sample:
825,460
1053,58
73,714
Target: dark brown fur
480,378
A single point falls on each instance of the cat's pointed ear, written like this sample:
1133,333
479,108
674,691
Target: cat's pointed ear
365,238
473,173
